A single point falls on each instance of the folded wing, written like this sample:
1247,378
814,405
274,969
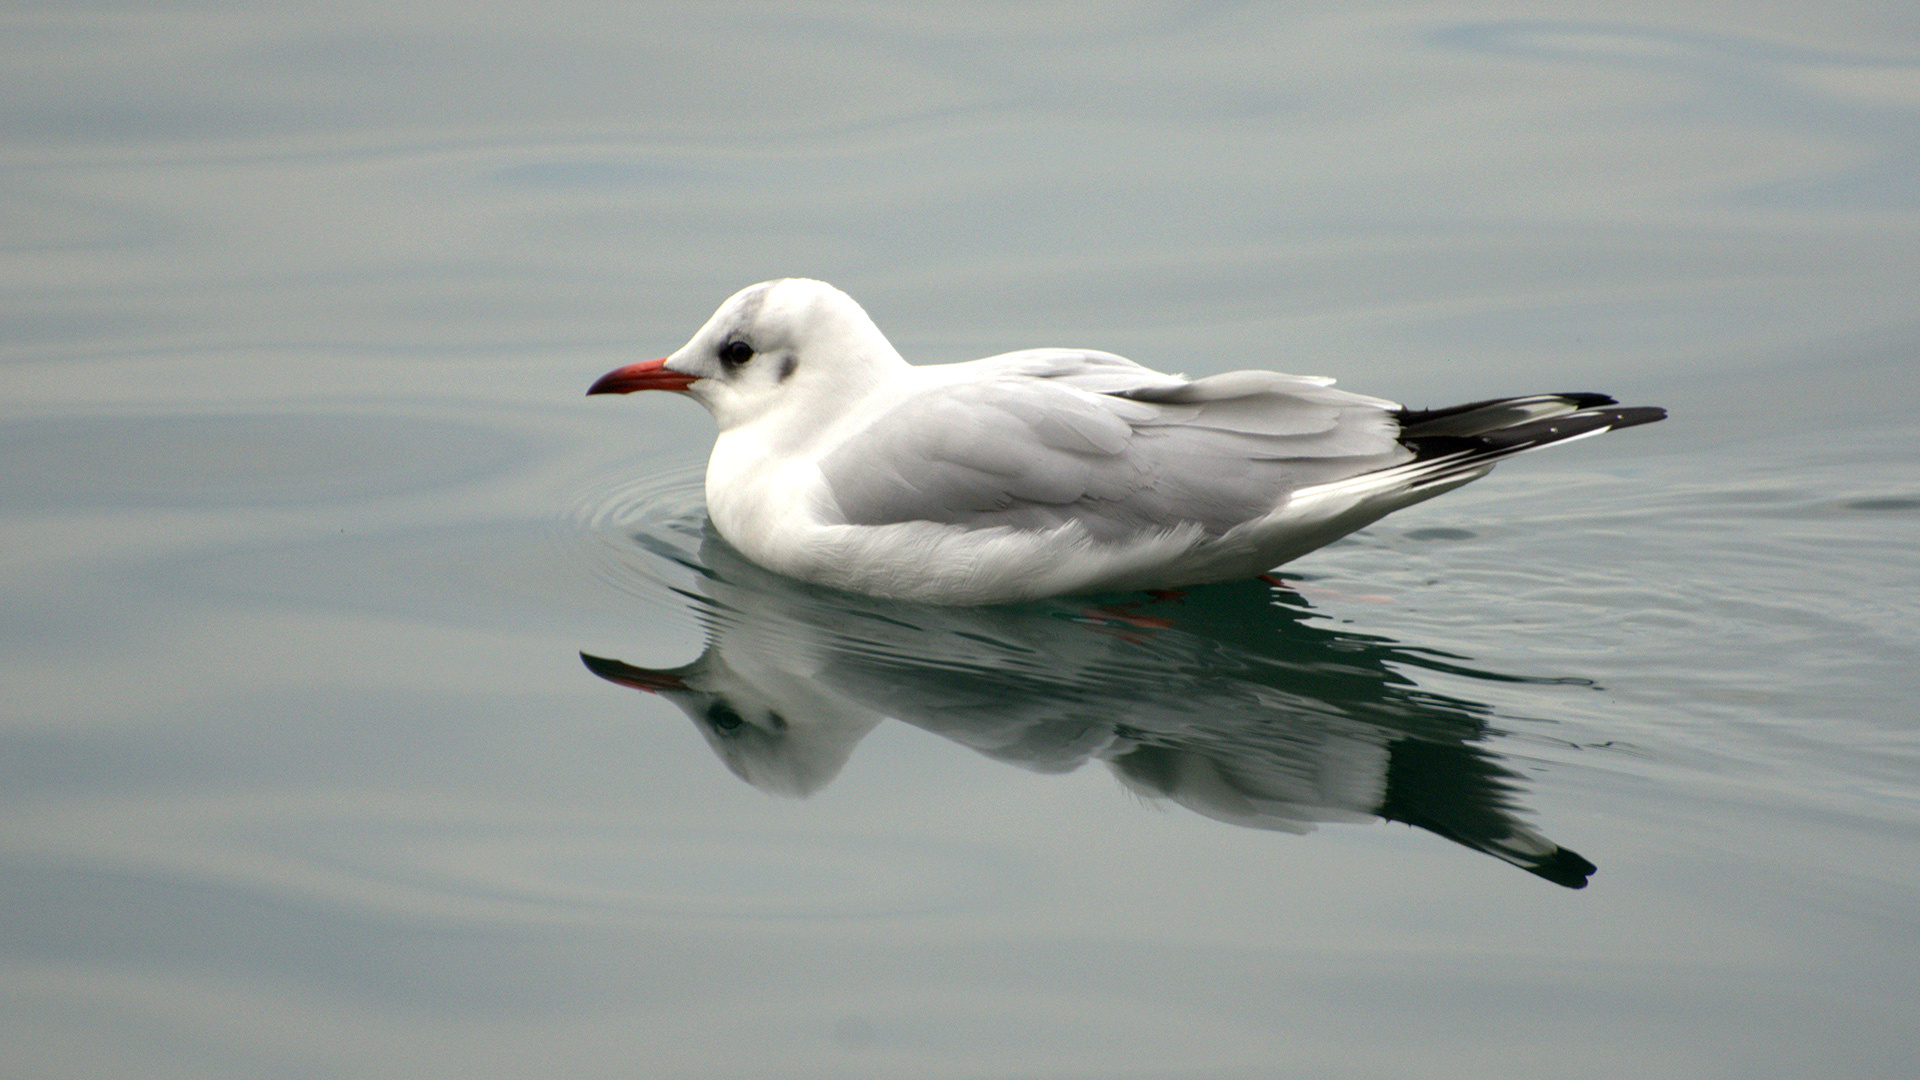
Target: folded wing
1039,439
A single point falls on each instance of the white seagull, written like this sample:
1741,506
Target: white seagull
1049,472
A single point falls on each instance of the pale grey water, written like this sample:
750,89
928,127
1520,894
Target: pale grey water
307,522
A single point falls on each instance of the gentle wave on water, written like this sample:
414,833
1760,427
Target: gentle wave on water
454,863
640,536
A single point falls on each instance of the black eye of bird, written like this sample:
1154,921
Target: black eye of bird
722,716
736,352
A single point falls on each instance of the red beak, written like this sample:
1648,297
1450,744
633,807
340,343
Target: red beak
652,680
645,375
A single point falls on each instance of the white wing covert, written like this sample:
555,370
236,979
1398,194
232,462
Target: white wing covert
1039,439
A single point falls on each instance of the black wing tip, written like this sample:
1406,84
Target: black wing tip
1530,434
1536,433
1564,868
1443,456
1634,415
1576,399
1588,400
1579,400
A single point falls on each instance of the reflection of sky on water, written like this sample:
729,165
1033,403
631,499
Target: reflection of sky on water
1865,101
1591,190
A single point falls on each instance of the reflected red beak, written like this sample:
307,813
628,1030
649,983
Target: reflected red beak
652,680
645,375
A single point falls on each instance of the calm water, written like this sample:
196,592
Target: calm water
308,527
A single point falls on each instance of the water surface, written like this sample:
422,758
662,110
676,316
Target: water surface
308,526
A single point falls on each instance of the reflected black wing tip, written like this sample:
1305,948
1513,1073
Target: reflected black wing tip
1566,868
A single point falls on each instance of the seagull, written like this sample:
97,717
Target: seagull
1050,472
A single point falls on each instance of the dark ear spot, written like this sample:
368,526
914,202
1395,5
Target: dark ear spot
787,364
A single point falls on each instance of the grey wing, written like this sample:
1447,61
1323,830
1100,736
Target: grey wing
1049,437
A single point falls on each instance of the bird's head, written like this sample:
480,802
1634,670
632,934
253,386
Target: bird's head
792,344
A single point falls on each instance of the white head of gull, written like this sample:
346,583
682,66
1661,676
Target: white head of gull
1050,472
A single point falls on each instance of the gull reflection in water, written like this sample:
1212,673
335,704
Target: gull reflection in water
1229,700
